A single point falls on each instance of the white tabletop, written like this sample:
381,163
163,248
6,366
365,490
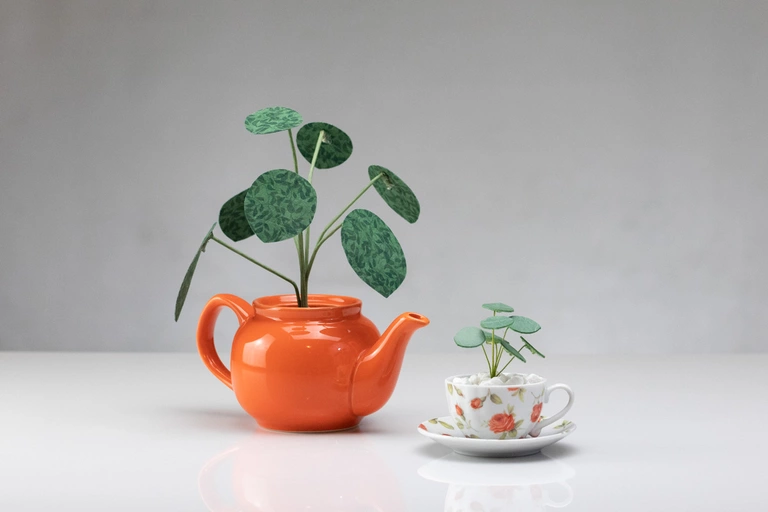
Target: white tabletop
158,432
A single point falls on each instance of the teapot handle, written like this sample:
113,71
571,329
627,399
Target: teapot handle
205,325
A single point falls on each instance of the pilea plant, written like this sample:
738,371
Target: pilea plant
281,204
471,337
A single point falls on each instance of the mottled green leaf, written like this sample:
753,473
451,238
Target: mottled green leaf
271,120
395,193
532,348
524,325
334,150
279,205
469,337
499,307
373,251
510,349
496,399
182,296
496,322
232,219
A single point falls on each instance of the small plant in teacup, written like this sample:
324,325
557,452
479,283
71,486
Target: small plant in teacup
495,404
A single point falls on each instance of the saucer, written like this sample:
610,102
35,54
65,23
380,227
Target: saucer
443,430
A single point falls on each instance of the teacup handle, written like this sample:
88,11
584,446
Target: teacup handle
543,423
205,325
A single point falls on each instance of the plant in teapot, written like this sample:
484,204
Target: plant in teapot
487,335
281,203
309,362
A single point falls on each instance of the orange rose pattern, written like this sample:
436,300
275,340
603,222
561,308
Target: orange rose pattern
501,423
459,411
476,403
536,412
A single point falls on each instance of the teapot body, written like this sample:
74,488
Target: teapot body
317,368
294,373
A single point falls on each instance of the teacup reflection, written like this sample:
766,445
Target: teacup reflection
519,485
272,472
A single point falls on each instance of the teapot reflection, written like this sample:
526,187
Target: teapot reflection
272,472
518,485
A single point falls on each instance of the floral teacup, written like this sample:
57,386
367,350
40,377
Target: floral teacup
502,411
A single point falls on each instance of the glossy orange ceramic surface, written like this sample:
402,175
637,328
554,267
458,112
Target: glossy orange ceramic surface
307,369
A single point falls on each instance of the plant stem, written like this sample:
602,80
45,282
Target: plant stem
293,150
486,358
501,352
304,271
323,237
493,351
512,358
298,241
273,271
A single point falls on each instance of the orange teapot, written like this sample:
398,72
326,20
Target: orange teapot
319,368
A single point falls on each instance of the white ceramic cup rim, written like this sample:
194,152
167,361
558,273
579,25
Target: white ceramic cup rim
449,380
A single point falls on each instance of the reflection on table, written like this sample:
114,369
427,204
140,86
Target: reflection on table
272,472
502,485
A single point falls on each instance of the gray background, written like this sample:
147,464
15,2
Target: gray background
599,165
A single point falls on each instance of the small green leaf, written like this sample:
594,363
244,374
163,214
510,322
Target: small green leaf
531,348
450,388
373,251
524,325
184,289
395,193
335,148
469,337
271,120
503,436
499,307
513,433
458,392
446,425
279,205
511,350
473,436
496,322
433,421
232,219
496,399
518,423
459,424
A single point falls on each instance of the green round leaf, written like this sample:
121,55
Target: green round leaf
373,251
279,205
182,296
334,150
271,120
499,307
232,219
469,337
524,325
532,348
395,193
510,349
496,322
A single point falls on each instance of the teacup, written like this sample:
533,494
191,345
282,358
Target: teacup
506,411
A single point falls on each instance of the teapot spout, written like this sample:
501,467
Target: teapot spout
379,366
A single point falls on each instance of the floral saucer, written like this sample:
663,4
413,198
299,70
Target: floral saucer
444,431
